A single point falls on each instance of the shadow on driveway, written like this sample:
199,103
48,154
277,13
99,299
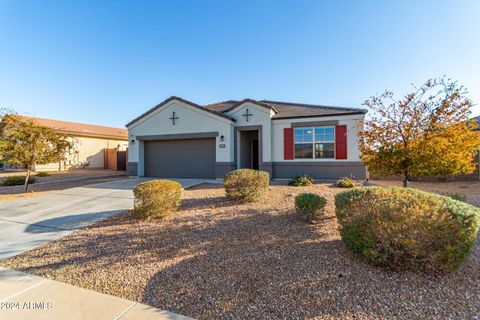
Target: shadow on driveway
70,222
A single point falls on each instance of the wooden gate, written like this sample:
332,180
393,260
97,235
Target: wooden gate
115,160
121,160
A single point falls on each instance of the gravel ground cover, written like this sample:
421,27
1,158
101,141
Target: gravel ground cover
219,260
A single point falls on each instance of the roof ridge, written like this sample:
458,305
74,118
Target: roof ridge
309,105
220,102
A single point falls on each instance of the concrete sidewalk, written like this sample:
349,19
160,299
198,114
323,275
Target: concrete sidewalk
24,296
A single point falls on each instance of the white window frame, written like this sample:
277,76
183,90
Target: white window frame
314,142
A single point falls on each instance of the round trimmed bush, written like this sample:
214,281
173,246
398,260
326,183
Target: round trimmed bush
301,181
346,182
157,199
246,185
309,206
407,228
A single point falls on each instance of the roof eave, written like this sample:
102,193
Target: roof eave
318,116
92,135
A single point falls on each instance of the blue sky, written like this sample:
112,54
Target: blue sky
106,62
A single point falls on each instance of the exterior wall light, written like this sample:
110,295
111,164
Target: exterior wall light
222,138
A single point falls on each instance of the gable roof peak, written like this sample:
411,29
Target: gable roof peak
164,102
257,102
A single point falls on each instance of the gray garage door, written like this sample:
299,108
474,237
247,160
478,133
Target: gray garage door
188,158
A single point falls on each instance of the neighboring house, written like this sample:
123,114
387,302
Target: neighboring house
91,149
180,139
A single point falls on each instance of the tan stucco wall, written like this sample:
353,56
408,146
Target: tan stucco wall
89,150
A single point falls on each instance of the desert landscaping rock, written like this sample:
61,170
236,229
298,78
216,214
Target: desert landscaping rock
219,260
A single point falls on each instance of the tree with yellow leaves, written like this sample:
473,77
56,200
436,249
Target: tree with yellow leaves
425,133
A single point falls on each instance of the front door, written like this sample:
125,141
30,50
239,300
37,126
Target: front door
255,154
249,149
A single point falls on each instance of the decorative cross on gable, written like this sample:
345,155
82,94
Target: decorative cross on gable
173,118
247,115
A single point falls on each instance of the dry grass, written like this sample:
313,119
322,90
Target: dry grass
218,260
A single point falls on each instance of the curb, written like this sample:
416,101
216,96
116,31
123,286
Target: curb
64,180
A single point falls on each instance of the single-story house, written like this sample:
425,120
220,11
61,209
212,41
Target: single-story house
92,144
181,139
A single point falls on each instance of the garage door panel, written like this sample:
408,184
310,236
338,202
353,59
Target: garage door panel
188,158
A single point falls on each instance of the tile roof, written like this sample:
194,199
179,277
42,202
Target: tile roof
285,110
81,129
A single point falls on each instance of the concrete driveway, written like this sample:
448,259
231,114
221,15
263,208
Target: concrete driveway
30,222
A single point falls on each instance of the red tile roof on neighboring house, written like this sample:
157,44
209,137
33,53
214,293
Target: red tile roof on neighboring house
81,129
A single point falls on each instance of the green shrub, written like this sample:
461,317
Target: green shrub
42,174
346,182
407,228
301,181
459,197
246,185
17,180
309,206
157,199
